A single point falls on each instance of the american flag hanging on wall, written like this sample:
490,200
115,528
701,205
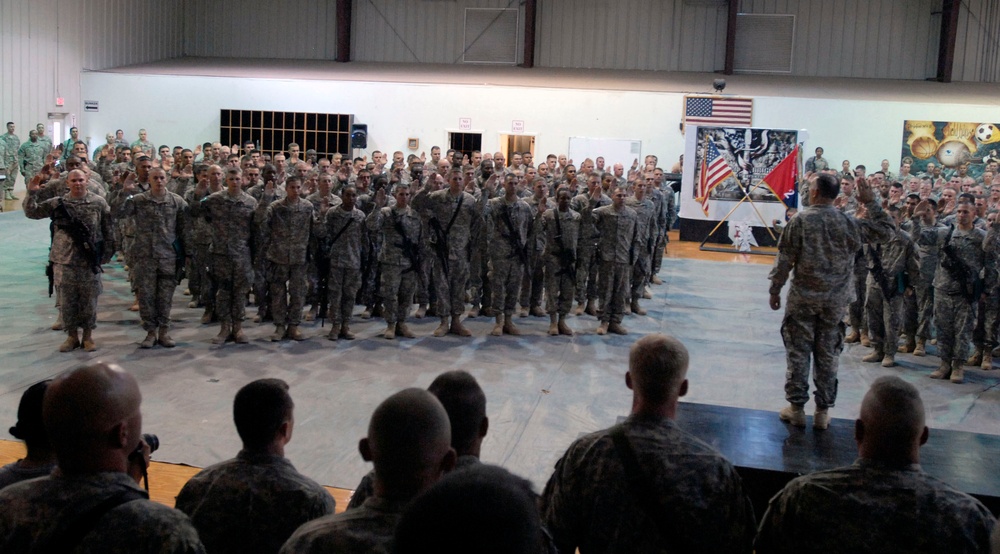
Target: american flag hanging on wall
717,111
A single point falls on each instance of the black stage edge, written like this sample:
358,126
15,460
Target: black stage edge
695,230
769,453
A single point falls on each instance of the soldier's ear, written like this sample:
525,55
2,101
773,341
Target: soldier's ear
366,449
924,435
684,389
628,380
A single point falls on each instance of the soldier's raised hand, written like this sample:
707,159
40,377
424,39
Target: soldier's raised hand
35,183
865,193
380,198
542,205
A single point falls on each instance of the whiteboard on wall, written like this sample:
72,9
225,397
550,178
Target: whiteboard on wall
614,151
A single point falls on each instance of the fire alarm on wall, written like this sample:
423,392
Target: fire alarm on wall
59,101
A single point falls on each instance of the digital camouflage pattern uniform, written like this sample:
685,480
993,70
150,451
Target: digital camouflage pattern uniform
617,236
251,503
589,504
819,244
32,510
508,226
533,283
344,253
666,214
873,506
158,242
645,244
288,226
31,158
437,209
79,284
398,272
366,487
9,147
231,218
561,239
261,289
953,309
199,245
126,225
925,241
587,263
899,266
368,528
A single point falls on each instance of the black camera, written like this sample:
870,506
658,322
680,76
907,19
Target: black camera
152,440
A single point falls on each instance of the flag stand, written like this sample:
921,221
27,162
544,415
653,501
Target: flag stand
746,197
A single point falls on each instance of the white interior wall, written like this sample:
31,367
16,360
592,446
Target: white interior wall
863,131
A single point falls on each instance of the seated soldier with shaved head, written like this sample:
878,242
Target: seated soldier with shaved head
92,502
255,501
409,441
884,502
646,485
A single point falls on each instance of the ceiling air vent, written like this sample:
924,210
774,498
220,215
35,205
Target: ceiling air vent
764,43
490,36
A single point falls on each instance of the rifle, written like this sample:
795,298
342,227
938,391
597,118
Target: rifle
878,272
179,267
409,248
440,242
512,236
81,234
631,249
567,260
972,285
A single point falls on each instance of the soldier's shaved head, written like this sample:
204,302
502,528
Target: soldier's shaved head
658,369
92,417
465,402
409,442
891,425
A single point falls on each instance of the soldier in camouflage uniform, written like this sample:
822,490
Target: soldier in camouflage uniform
508,224
409,442
819,243
480,290
926,242
199,243
83,408
663,199
587,262
884,502
323,198
957,285
892,268
561,228
617,230
847,203
288,224
345,234
159,244
127,225
533,284
264,193
255,501
453,219
10,144
31,156
589,504
143,144
401,233
230,212
77,271
646,235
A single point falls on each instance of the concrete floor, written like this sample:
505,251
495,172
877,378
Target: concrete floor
542,392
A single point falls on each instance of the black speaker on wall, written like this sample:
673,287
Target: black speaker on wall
359,135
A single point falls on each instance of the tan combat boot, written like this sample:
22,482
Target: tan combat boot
509,328
563,327
58,325
164,338
421,312
457,328
602,329
442,329
637,309
207,317
223,336
909,346
655,279
617,329
553,325
345,332
294,333
957,372
821,419
852,337
889,360
404,331
793,414
578,310
239,337
87,341
149,341
976,359
943,371
591,308
987,361
865,341
71,343
920,349
389,333
537,311
474,310
278,334
873,357
497,327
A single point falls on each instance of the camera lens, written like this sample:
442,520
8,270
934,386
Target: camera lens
152,440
